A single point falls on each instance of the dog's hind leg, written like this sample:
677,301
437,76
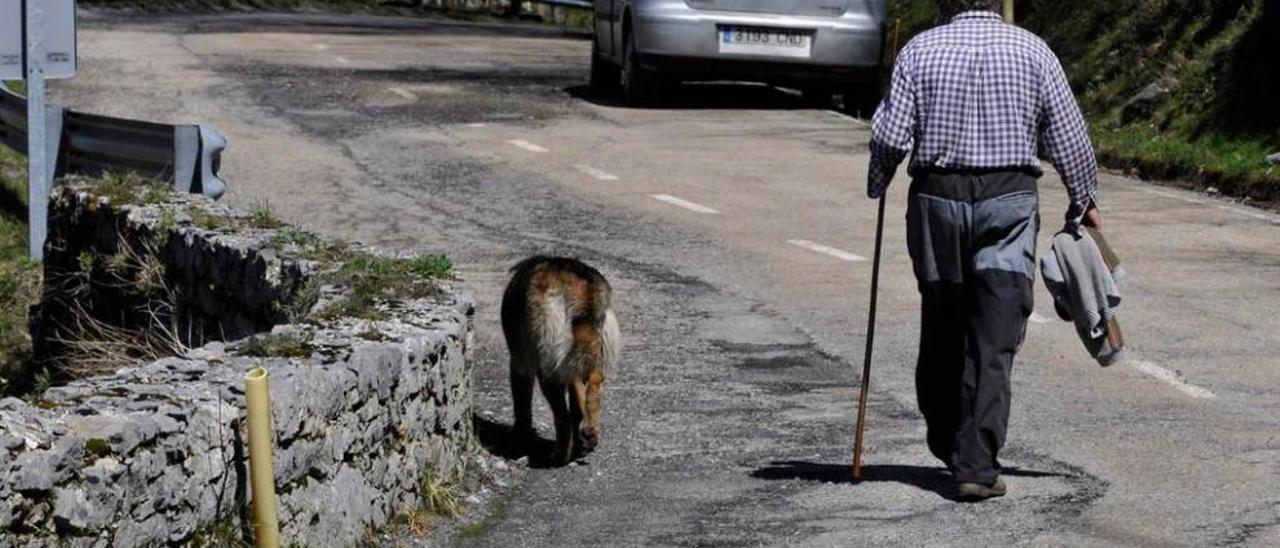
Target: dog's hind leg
556,393
522,403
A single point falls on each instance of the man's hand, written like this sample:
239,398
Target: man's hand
1093,217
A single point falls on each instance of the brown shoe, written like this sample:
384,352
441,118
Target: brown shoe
974,492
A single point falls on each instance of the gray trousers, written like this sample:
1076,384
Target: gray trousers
972,241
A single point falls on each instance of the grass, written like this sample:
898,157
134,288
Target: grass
223,534
19,277
262,216
283,345
16,86
130,188
1236,166
440,499
203,219
372,279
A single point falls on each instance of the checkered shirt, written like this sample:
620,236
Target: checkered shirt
977,94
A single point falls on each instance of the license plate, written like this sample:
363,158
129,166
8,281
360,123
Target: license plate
765,41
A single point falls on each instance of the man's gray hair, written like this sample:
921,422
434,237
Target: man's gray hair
948,8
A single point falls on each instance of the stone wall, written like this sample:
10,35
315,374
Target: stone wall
154,453
223,278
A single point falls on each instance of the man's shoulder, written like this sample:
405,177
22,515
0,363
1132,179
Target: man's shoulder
959,35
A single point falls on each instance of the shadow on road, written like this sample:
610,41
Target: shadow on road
718,96
498,439
932,479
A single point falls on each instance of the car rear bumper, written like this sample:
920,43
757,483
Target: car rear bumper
667,30
780,73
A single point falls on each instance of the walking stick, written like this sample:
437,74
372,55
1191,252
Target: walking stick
871,314
871,337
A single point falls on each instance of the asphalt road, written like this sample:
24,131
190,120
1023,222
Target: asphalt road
729,422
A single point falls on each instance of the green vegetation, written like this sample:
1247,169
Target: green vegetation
262,216
1213,119
97,447
202,218
16,86
19,277
283,345
371,279
130,188
440,499
368,278
223,534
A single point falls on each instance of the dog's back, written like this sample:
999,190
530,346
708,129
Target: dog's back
557,319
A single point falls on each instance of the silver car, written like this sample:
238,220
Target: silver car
821,47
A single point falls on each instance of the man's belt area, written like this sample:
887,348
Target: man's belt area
973,185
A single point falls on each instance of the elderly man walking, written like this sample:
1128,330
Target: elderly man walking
974,101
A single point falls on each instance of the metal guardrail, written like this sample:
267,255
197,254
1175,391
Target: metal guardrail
88,144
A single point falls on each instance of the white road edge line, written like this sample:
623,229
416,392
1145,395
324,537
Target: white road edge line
341,59
844,116
1179,197
1037,318
1171,378
526,145
827,250
697,208
403,93
598,174
1205,201
1247,213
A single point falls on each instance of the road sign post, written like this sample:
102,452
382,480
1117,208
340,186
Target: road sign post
37,42
37,167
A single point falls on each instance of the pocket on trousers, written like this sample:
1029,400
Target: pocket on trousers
1005,230
936,235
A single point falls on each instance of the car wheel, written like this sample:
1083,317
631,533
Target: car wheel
817,98
638,84
605,76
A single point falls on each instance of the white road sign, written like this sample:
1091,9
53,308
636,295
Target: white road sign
59,37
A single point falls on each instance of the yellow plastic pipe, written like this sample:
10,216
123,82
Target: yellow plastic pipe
1008,11
266,525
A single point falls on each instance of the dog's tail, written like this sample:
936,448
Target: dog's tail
571,320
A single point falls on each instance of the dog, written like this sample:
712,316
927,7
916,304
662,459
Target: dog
561,331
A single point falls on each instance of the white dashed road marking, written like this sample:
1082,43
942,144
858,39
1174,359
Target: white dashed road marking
526,145
477,124
320,47
697,208
827,250
1037,318
403,93
1171,378
598,174
341,59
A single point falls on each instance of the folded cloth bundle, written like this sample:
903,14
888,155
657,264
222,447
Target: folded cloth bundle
1082,273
